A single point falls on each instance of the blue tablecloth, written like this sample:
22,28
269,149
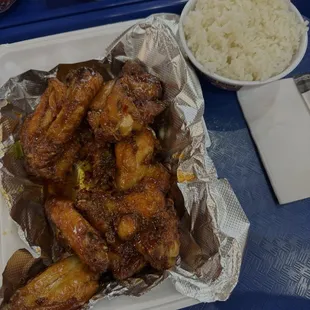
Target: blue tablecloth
276,266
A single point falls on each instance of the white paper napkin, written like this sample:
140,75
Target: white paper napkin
279,119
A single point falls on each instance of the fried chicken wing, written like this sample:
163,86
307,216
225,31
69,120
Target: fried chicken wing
120,213
48,136
65,285
83,85
84,240
102,210
133,162
141,218
144,86
126,104
132,158
114,116
153,223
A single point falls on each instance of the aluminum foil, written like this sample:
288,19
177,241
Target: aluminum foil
213,225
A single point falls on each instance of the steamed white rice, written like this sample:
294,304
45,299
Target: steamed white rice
247,40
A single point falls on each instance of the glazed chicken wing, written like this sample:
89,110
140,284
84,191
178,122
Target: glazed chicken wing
48,136
84,240
126,104
65,285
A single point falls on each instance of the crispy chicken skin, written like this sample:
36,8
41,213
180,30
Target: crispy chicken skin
48,136
84,240
65,285
126,104
133,161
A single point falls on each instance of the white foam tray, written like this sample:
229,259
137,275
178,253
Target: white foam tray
44,54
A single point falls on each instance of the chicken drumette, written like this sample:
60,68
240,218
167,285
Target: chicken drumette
126,104
48,136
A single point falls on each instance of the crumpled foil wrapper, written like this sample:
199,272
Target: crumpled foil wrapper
213,225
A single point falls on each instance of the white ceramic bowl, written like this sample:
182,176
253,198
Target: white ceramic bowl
230,84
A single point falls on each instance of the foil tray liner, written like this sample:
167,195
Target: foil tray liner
213,225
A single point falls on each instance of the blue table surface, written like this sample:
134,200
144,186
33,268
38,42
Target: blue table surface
275,271
102,15
30,11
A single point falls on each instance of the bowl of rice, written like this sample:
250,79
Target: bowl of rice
239,43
